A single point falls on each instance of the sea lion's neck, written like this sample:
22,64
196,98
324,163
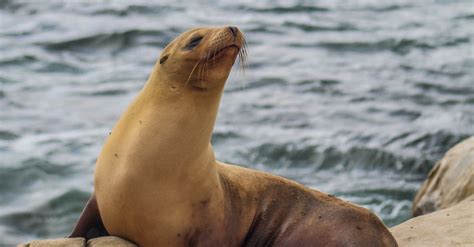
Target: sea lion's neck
169,127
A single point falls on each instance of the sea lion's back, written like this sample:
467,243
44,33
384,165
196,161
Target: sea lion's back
285,213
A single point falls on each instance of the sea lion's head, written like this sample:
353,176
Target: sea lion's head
201,58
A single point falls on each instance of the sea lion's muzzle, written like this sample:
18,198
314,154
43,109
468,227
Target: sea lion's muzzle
227,38
233,30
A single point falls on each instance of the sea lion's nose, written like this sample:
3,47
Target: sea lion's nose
233,30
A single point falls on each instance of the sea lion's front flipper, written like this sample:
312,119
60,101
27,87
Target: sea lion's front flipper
90,223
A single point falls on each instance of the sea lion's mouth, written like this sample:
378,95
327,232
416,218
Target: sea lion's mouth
216,55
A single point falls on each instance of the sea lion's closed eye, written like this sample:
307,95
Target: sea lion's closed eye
193,42
163,59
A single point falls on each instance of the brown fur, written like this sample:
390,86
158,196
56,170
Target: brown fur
285,213
157,182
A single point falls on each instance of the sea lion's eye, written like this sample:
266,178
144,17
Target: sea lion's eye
163,59
193,42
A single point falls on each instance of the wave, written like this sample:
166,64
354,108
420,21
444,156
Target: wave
56,67
262,82
444,89
11,5
39,65
109,92
409,115
6,80
322,86
398,46
436,143
389,8
455,72
453,102
116,40
54,218
333,158
135,9
465,17
5,134
313,28
26,174
19,60
394,193
284,9
220,136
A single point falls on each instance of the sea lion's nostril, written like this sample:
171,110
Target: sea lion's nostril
233,30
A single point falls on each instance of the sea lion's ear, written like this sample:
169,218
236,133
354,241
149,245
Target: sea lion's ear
164,58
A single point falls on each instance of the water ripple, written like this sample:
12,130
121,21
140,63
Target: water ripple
315,28
55,217
116,40
285,9
331,158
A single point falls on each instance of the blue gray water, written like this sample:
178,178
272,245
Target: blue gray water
354,98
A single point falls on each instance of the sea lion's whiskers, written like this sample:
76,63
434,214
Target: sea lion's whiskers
206,69
215,50
242,58
243,52
192,71
203,62
244,48
200,72
207,62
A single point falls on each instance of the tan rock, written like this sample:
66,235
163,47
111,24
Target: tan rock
59,242
453,226
109,241
449,182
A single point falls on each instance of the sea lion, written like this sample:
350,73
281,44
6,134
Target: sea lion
157,182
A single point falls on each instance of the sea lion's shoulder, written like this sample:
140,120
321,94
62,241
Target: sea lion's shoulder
258,181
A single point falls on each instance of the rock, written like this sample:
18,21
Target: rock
453,226
110,241
449,182
59,242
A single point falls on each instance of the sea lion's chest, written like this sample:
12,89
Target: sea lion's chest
137,208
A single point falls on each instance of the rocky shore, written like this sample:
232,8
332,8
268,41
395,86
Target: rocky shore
444,206
449,182
453,226
443,209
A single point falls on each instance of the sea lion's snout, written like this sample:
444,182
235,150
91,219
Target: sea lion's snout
233,30
203,57
225,43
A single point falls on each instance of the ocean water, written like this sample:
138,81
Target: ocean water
354,98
